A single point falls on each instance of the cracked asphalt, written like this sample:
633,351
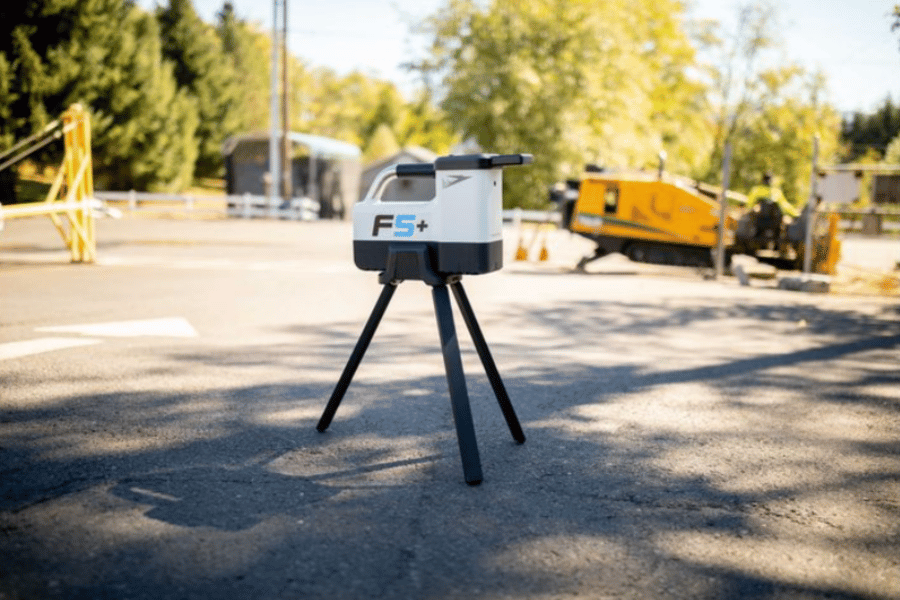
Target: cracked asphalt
686,438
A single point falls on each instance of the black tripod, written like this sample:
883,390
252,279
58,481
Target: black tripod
456,381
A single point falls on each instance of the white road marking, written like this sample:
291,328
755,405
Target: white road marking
315,266
167,327
46,344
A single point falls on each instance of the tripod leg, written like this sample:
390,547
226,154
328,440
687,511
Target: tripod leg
365,337
456,381
488,361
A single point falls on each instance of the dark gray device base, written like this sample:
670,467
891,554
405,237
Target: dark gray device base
451,258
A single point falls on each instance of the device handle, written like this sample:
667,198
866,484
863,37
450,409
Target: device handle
472,162
381,181
379,184
505,160
416,170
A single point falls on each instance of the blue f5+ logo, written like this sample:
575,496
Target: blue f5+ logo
403,225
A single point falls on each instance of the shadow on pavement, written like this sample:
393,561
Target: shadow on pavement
670,474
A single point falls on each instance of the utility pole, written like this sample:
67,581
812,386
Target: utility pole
274,161
287,145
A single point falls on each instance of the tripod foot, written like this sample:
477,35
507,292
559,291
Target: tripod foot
484,353
456,382
356,357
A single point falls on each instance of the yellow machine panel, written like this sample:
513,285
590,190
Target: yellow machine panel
645,209
664,219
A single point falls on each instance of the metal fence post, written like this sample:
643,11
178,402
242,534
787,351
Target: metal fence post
723,201
811,217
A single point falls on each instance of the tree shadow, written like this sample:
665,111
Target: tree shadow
247,498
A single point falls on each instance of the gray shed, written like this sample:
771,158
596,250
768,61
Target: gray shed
323,169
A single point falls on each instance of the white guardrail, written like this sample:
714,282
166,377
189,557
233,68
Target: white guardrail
250,206
244,206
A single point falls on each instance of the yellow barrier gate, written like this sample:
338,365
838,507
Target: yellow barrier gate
72,191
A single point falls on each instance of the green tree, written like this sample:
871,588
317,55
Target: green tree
769,114
892,153
315,109
203,69
777,135
734,74
143,127
385,113
382,121
8,176
424,124
382,143
146,131
556,78
863,133
366,105
7,100
249,51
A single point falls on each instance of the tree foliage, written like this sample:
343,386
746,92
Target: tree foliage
143,124
165,89
892,152
617,82
734,71
895,25
776,135
368,108
864,133
769,110
382,143
248,51
570,81
207,75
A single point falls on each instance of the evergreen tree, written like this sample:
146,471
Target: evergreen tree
149,127
249,52
864,133
106,55
8,176
207,74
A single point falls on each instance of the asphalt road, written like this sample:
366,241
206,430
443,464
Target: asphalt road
687,438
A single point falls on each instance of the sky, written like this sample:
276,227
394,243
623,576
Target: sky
849,40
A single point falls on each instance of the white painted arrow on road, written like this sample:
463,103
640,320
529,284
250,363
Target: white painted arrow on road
47,344
168,327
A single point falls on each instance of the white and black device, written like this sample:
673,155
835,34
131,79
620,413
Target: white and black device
437,241
456,232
